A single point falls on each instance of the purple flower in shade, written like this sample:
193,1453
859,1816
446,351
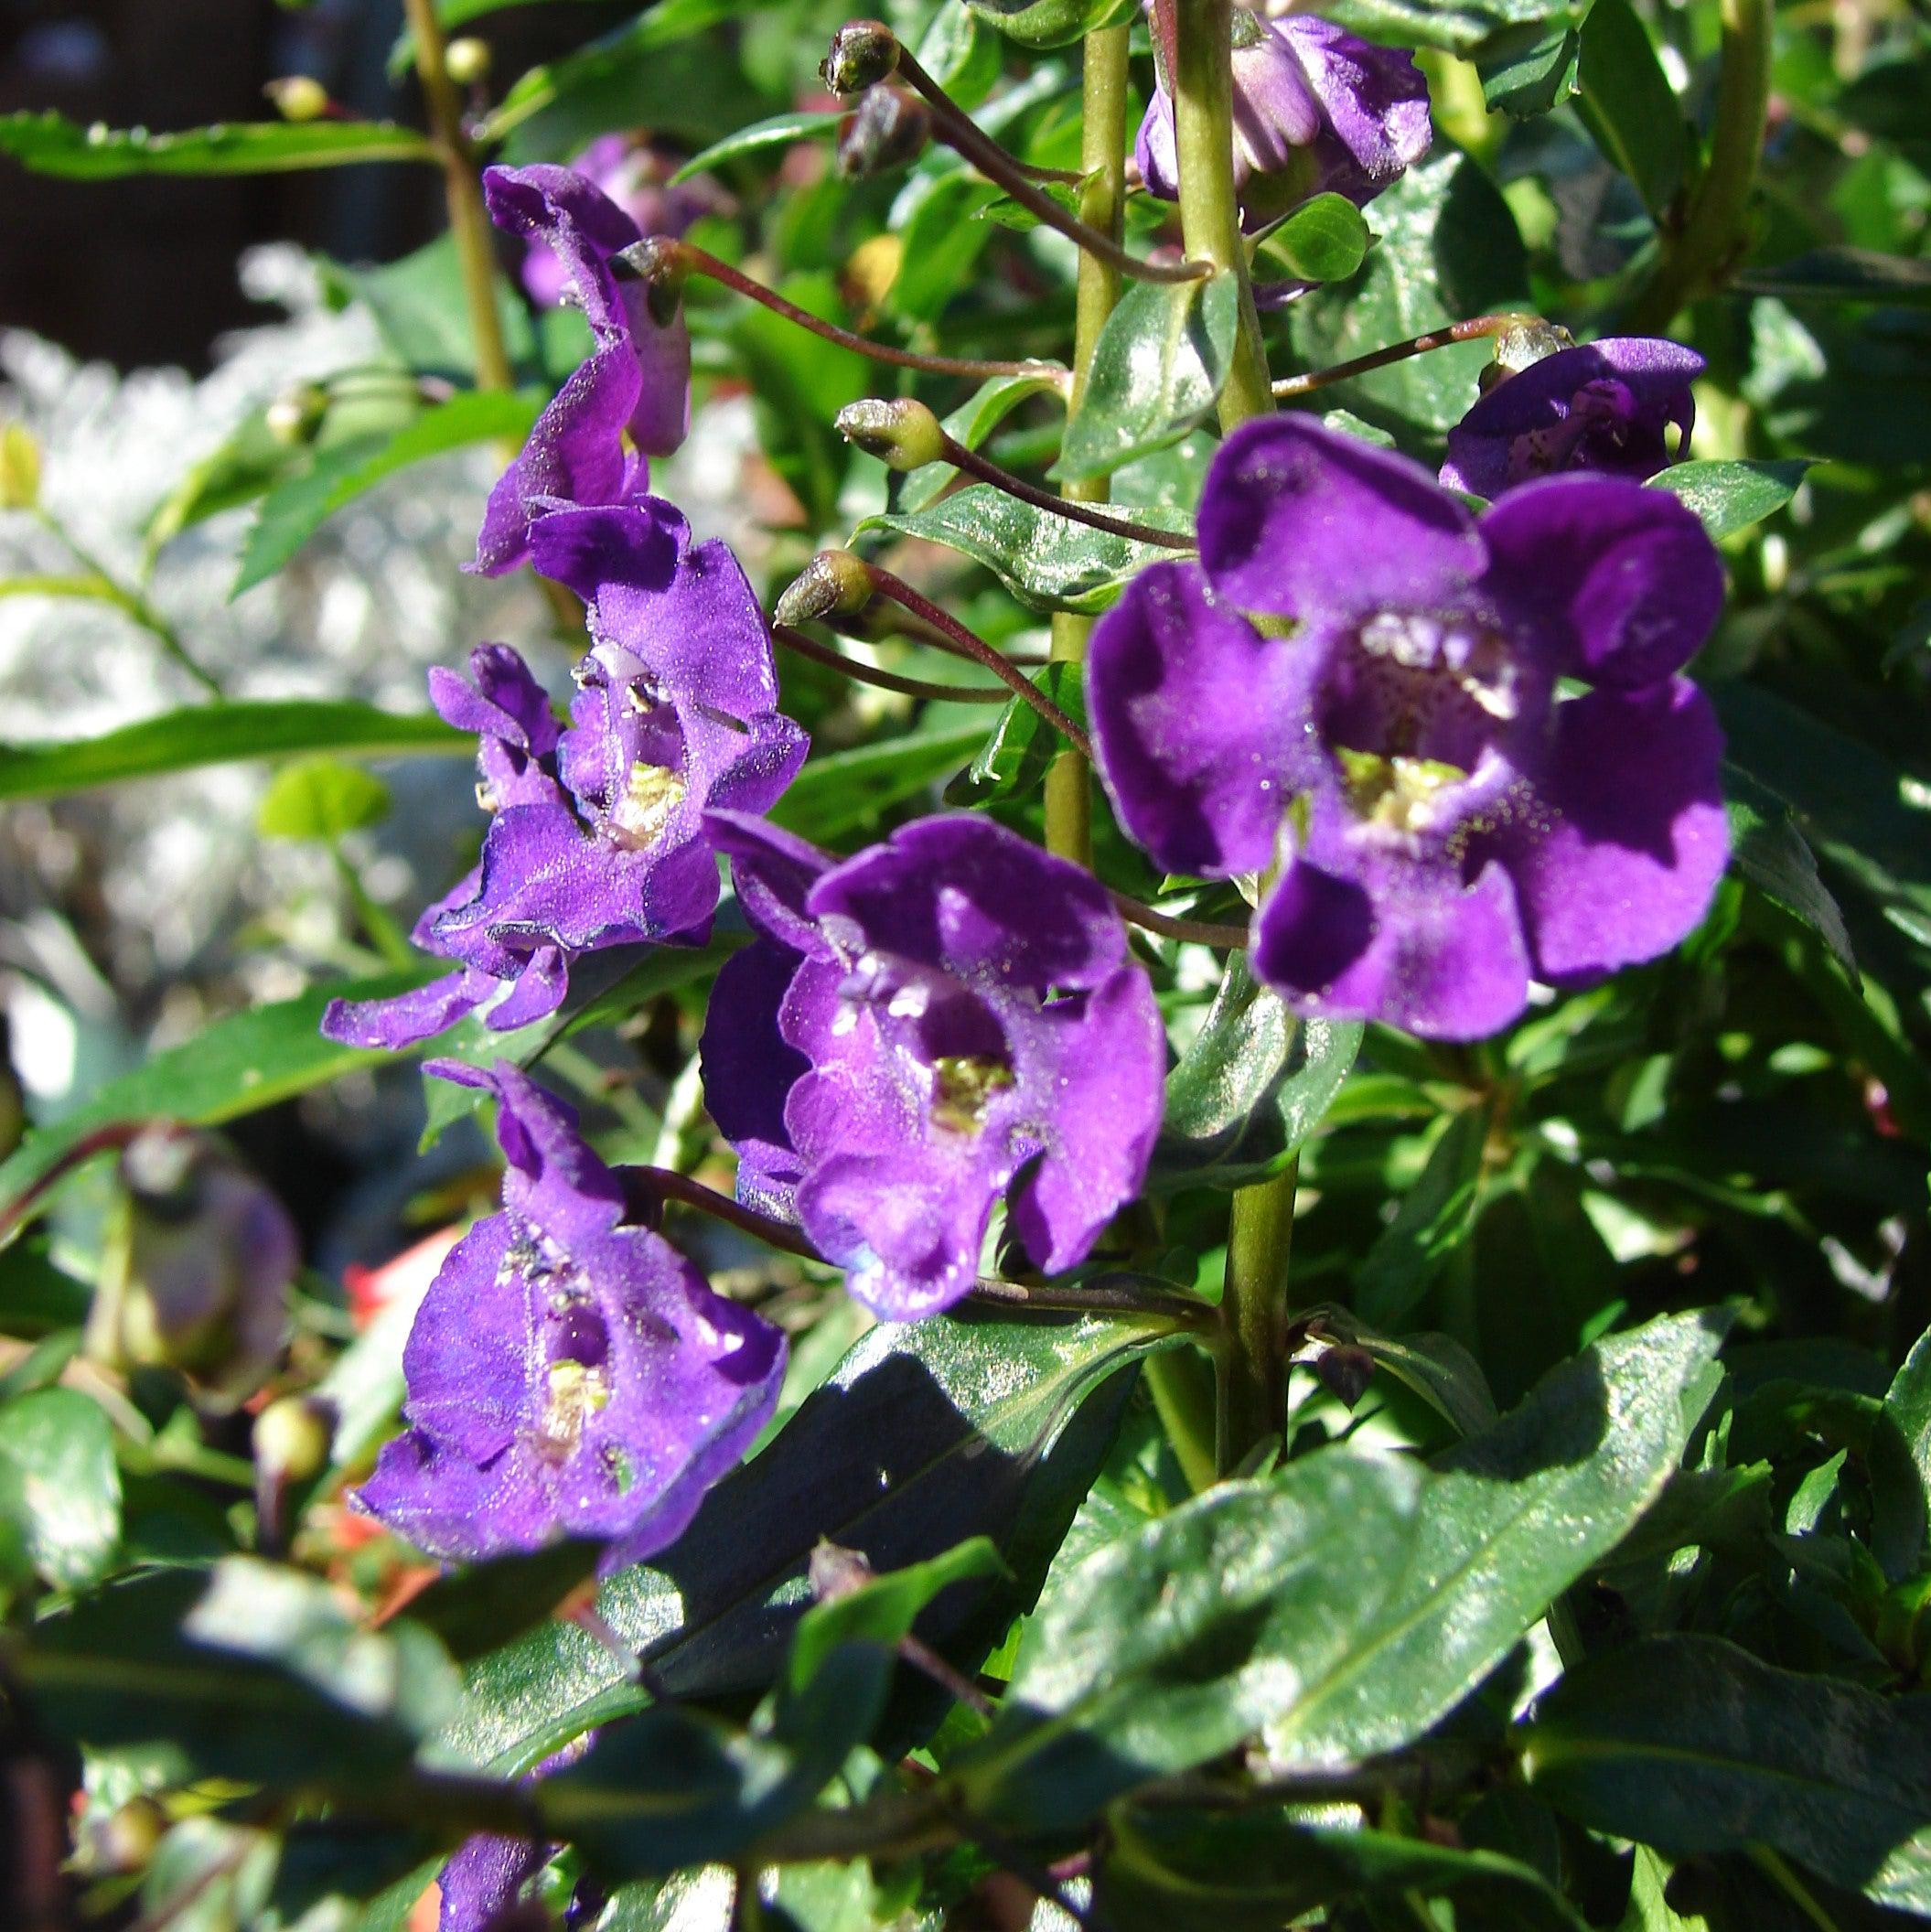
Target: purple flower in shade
484,1878
633,175
1317,111
915,1030
597,835
1444,827
568,1374
1607,407
631,401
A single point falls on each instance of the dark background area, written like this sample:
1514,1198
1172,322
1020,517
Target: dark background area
143,272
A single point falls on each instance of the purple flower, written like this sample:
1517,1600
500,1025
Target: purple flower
1608,407
629,401
597,835
1317,111
1444,827
919,1027
632,173
568,1374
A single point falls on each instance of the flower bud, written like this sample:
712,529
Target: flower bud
295,416
294,1437
658,262
198,1268
467,60
298,97
833,584
835,1572
863,53
888,129
1521,346
1345,1372
123,1843
902,434
19,467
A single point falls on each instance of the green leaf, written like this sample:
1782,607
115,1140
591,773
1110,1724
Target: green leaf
1845,275
1767,848
1900,1466
1510,1521
779,130
1731,497
1157,368
1218,1872
1436,1366
1169,1646
1694,1746
220,734
1629,107
320,799
58,1485
52,145
884,1609
1052,23
483,1606
1324,240
1469,27
1530,70
837,794
1449,250
251,1671
418,307
940,242
969,425
1252,1086
1433,1221
1011,763
923,1437
293,511
1047,562
237,1065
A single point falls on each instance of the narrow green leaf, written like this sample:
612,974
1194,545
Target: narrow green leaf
1468,27
51,144
1013,762
60,1489
883,1610
1052,23
835,795
321,799
1845,275
1530,69
1249,1089
1157,368
221,734
1436,1366
1433,1220
1047,562
235,1067
1692,1745
779,130
1325,240
1730,496
1900,1467
1510,1521
293,511
1767,848
1626,103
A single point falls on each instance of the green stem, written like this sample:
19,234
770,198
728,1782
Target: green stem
1203,81
1103,206
468,219
1253,1353
1698,254
1183,1394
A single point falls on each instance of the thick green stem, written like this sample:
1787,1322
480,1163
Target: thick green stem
1102,203
1699,255
1203,81
1254,1308
468,219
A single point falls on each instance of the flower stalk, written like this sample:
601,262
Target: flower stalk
1472,330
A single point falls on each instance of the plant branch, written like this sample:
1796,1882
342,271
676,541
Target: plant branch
1121,1295
1070,507
109,589
1199,932
796,640
1468,332
646,1189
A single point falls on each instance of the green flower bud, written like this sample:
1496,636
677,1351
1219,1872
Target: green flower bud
1521,346
863,53
19,467
197,1270
293,1438
888,129
298,97
124,1842
833,584
901,434
467,60
294,417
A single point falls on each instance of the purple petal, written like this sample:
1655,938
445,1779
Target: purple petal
393,1024
539,991
1299,521
1620,583
661,419
580,224
1376,104
748,1070
1622,861
1198,722
1156,149
774,871
505,703
1275,113
484,1878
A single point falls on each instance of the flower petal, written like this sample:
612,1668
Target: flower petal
1635,838
1299,521
1620,584
391,1025
1198,722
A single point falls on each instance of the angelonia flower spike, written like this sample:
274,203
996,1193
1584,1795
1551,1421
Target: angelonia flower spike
1357,684
1609,406
569,1374
948,1017
1317,111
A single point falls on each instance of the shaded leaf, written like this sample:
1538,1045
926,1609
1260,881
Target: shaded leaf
1433,1220
1844,274
1900,1465
60,1489
1530,70
1469,27
1052,23
835,795
51,144
1731,495
1768,849
1013,762
1626,103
